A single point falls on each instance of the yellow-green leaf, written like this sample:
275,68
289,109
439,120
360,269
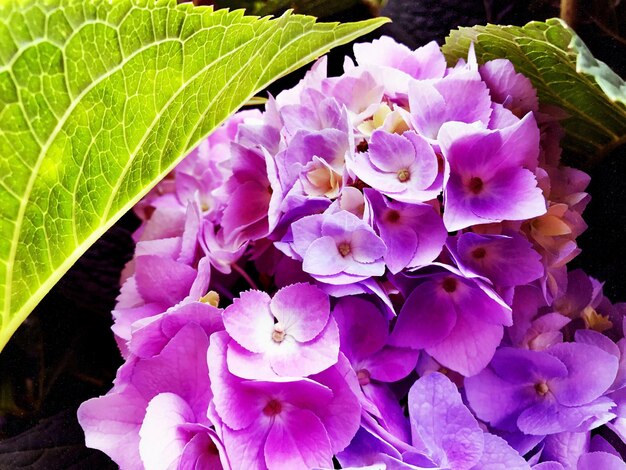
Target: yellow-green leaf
100,99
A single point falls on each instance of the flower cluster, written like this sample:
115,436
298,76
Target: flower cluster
373,269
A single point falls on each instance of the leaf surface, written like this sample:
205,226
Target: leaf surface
564,73
101,99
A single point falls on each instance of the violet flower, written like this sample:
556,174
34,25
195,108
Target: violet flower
338,248
414,233
486,180
403,167
296,424
455,320
545,392
289,335
157,406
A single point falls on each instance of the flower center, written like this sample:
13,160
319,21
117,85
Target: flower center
392,216
449,284
475,185
344,248
404,175
541,388
272,408
278,335
212,449
364,376
479,253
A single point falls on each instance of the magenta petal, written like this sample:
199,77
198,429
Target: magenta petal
460,97
530,368
366,246
498,455
390,152
323,259
203,452
111,424
302,359
162,279
181,368
391,364
512,194
245,447
505,260
246,206
247,364
362,327
469,347
442,424
427,317
297,440
249,320
161,441
342,416
497,401
591,372
228,392
149,340
600,460
302,309
549,417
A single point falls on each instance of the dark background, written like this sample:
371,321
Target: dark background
64,353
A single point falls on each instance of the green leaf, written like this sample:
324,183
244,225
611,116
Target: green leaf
100,99
319,8
564,73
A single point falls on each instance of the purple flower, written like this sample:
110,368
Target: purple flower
315,158
290,335
253,195
455,320
486,180
157,406
414,233
505,260
285,424
338,248
507,87
444,432
364,332
459,97
403,167
442,426
545,392
395,66
163,277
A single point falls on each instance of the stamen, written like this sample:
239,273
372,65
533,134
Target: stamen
364,376
479,253
272,408
404,175
344,248
392,216
475,185
449,284
278,335
542,388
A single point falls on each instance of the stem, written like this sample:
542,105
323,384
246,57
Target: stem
245,275
569,12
